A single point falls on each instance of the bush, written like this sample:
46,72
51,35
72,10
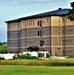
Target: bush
47,55
27,56
40,54
21,57
71,56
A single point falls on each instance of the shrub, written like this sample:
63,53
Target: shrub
71,56
47,55
27,56
21,57
40,54
34,57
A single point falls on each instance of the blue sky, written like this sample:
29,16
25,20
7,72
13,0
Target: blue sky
13,9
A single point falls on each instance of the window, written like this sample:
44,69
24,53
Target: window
71,40
47,20
68,30
65,30
47,40
38,23
63,51
63,41
71,51
68,51
68,41
31,22
27,22
38,33
71,29
19,43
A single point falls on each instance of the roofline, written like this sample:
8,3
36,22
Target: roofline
35,16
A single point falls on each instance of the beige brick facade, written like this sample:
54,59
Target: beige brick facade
57,33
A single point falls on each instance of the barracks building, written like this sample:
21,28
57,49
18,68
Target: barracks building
50,31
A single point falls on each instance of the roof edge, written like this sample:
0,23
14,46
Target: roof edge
51,13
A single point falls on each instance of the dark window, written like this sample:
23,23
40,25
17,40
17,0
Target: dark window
65,30
68,41
71,51
63,51
71,30
63,41
38,33
41,42
38,23
68,51
31,22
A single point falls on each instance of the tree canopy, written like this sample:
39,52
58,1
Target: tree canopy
3,47
71,12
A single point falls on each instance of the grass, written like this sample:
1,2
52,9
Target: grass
37,60
36,70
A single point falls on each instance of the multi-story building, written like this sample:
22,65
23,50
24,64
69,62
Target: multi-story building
57,33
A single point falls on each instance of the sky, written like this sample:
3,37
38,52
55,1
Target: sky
13,9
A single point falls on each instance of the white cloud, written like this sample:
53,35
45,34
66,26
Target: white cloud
34,2
23,2
9,2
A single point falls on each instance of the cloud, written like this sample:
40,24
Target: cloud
34,3
14,2
27,2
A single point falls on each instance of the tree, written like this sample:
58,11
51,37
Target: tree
0,43
72,5
71,12
3,48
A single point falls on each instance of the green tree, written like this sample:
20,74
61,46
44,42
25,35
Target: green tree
0,43
71,12
3,48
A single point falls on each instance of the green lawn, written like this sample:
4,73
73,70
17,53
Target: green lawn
37,60
36,70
